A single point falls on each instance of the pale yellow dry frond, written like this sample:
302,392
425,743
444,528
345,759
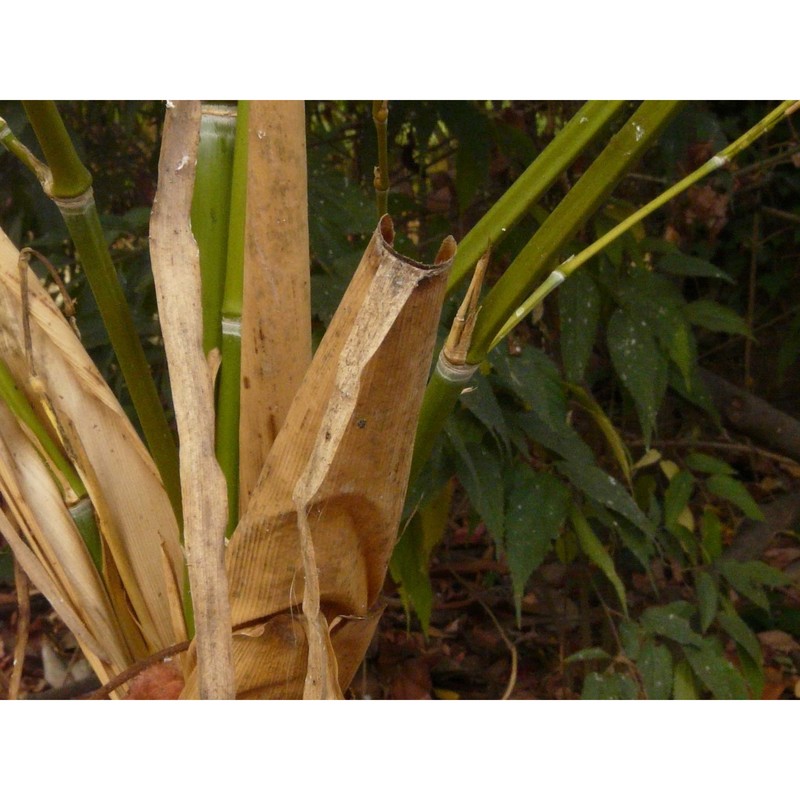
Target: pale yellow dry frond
135,516
35,502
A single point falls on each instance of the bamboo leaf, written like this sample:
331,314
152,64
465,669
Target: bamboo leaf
588,654
672,622
712,669
677,496
678,263
536,508
749,578
608,686
606,490
734,491
655,667
700,462
640,366
477,469
579,313
598,555
683,682
707,599
714,317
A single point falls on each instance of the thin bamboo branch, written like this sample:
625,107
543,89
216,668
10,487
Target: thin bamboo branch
566,268
588,194
176,270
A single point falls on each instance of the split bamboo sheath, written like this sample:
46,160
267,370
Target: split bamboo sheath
312,549
122,618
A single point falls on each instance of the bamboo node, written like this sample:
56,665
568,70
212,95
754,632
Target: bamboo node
75,206
454,373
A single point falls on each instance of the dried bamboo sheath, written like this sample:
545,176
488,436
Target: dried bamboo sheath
312,548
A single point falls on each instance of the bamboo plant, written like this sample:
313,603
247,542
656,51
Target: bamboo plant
316,454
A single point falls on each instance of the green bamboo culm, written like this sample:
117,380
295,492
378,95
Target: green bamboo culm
583,128
69,185
721,159
594,187
624,150
211,205
230,370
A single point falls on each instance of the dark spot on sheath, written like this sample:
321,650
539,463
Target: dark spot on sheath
362,423
245,382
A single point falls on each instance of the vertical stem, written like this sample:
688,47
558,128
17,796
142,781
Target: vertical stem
211,210
380,116
227,447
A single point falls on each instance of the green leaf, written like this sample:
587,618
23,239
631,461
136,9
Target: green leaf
695,392
655,667
478,471
715,317
473,132
607,491
640,365
749,577
682,349
630,634
611,686
676,263
653,299
535,379
588,654
601,419
684,686
715,672
597,554
700,462
707,599
734,491
677,496
579,313
711,531
741,633
409,569
672,622
562,439
535,511
483,404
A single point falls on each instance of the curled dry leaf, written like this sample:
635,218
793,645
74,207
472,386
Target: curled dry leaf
315,540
